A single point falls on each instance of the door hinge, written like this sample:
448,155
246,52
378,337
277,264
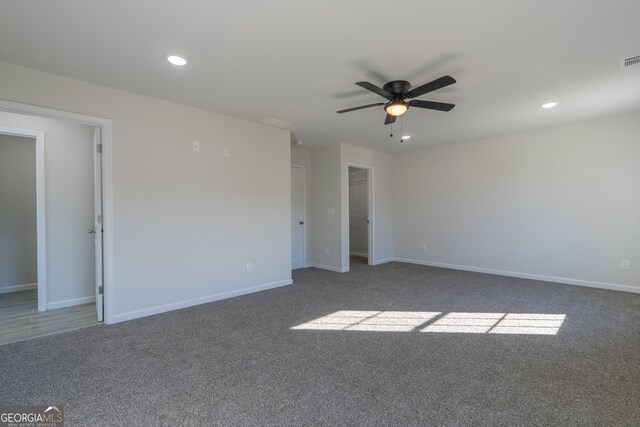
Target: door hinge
101,290
99,148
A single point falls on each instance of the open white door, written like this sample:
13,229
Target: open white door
97,191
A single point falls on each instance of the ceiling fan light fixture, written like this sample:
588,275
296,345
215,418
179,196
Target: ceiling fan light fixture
396,91
396,108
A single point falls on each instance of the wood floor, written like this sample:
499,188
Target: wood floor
20,319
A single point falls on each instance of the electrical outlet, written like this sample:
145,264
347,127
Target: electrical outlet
326,251
625,264
249,266
196,146
424,246
227,151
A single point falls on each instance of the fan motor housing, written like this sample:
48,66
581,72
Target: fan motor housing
397,87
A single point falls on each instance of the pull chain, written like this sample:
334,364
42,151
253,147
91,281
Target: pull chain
391,136
401,130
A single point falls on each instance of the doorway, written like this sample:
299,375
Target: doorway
53,286
103,154
298,220
359,215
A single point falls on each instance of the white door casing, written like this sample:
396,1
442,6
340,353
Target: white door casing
297,218
370,225
358,212
107,197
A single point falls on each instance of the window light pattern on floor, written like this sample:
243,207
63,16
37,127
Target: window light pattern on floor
386,321
498,323
430,321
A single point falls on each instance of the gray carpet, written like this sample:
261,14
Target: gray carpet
237,362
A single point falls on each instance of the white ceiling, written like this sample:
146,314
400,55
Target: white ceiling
297,61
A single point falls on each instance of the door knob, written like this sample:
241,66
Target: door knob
91,231
301,223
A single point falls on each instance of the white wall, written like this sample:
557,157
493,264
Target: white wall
382,218
69,207
302,157
330,190
562,202
18,243
185,223
326,230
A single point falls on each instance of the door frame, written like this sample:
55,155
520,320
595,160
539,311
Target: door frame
107,187
41,246
370,206
305,263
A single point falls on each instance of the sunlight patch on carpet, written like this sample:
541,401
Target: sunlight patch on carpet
379,321
498,323
437,322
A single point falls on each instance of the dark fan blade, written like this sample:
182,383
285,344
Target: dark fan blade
360,108
431,86
431,105
375,89
390,119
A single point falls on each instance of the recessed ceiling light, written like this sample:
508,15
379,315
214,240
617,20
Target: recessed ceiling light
549,105
177,60
406,137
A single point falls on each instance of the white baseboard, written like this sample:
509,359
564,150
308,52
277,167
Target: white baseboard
360,254
18,288
196,301
330,268
540,277
71,302
383,261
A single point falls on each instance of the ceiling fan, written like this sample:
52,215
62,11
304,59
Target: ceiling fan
397,91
